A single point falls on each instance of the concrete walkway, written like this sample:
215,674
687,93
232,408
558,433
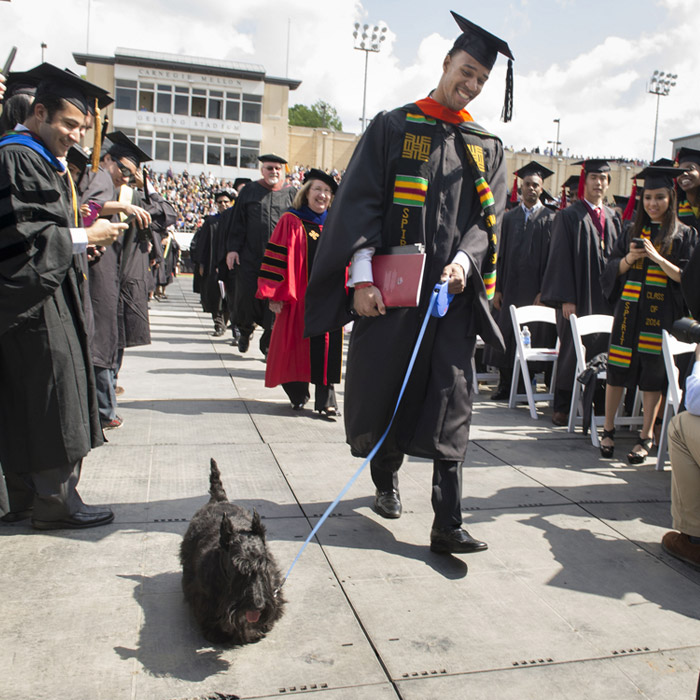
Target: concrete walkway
574,598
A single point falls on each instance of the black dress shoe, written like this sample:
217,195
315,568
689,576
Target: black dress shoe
15,516
500,394
87,516
219,331
454,541
388,504
243,343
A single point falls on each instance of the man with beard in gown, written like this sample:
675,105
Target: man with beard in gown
583,236
422,174
48,408
523,247
257,210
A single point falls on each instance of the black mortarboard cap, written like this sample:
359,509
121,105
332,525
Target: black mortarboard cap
54,82
272,158
485,47
240,181
78,157
688,155
316,174
656,177
534,168
20,83
223,193
621,201
594,165
666,162
571,182
123,147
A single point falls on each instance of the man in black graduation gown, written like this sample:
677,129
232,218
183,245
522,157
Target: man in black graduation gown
209,254
256,213
523,247
583,236
146,211
413,179
48,409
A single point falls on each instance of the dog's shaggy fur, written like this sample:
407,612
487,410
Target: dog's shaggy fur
229,577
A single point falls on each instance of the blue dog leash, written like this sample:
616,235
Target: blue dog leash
439,303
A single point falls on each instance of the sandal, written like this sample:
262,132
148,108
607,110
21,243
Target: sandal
606,451
640,457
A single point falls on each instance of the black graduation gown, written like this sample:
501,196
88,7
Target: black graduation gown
689,283
435,414
522,258
683,243
255,215
48,405
575,265
103,276
212,302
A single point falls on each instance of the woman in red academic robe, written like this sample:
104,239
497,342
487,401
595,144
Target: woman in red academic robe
293,361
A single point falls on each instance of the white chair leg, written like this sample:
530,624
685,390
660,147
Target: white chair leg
661,452
514,382
528,391
573,409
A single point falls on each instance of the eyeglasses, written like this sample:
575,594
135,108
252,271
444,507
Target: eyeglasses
123,169
272,167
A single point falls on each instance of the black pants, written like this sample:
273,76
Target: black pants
51,492
324,394
446,497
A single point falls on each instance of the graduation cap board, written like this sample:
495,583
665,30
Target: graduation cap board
656,177
688,155
485,47
534,168
20,83
123,147
54,82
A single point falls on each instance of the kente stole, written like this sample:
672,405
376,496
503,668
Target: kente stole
643,298
411,179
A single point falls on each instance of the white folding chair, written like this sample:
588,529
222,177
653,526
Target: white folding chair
521,317
671,348
580,327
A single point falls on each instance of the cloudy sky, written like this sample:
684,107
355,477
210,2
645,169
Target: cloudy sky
586,62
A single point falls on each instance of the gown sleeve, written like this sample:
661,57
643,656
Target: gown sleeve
279,271
36,250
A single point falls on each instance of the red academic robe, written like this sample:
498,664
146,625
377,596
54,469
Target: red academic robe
284,275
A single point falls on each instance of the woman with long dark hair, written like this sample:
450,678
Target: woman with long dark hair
643,274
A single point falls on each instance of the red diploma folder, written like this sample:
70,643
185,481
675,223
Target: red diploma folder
399,275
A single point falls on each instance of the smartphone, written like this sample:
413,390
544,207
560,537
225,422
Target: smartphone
638,242
131,217
10,60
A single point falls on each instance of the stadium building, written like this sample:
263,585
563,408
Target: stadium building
194,114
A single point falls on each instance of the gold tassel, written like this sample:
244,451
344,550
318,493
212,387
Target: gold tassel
97,141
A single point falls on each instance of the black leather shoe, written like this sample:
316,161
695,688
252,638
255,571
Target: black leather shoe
388,504
87,516
219,331
454,541
15,516
243,343
500,394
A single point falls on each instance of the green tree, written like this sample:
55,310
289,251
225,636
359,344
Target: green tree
320,114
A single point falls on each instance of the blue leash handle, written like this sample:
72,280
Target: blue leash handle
433,310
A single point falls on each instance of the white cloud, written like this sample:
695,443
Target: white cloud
599,95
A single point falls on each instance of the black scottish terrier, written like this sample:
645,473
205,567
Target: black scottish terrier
229,577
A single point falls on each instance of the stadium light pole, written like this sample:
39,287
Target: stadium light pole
367,39
557,143
660,84
44,46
